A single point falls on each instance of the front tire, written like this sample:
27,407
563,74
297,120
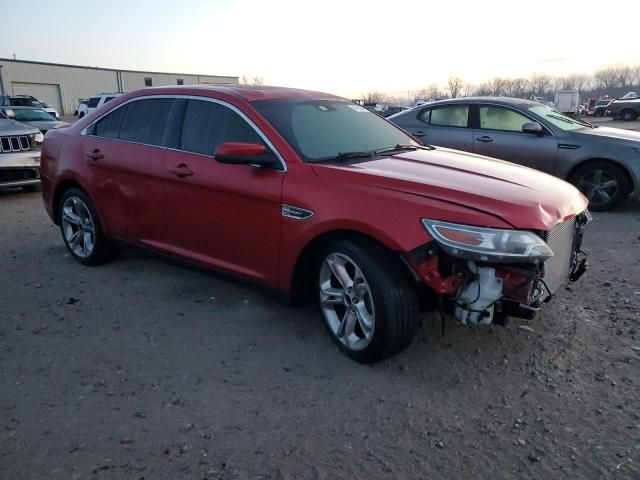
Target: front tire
605,185
368,305
81,230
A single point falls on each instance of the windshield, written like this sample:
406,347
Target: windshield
323,129
30,115
558,119
25,102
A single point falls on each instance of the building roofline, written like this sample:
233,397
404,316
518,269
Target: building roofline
113,69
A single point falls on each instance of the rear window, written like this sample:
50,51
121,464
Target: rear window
145,121
109,126
454,116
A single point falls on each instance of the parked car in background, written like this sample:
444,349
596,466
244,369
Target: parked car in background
19,154
600,107
591,105
82,108
625,109
36,117
312,195
604,163
96,102
27,101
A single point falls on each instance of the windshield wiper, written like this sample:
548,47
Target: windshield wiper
341,156
402,147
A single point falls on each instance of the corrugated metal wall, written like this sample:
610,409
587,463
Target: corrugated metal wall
82,82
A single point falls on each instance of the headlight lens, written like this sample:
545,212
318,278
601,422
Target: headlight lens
487,244
38,137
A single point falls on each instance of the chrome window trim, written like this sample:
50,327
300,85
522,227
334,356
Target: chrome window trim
235,109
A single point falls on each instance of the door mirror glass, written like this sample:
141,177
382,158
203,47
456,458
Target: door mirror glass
532,127
243,154
9,113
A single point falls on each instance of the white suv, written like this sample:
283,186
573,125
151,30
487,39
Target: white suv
93,103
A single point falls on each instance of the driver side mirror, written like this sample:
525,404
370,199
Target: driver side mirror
9,113
236,153
533,127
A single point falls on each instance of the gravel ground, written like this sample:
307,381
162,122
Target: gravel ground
145,369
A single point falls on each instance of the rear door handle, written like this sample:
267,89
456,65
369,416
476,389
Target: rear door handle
181,170
95,155
485,139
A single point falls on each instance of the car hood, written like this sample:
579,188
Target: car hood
44,125
11,127
521,196
608,132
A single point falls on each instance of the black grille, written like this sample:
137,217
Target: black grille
17,143
18,174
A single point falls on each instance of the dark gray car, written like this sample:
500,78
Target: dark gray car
604,163
36,117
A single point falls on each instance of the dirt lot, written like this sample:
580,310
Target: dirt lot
145,369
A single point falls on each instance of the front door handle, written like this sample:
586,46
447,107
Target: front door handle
95,155
485,139
418,134
181,170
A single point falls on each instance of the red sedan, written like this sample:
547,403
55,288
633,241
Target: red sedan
314,197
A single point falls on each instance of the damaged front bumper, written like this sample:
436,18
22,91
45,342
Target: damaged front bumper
477,292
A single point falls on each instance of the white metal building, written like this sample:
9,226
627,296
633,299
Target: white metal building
62,86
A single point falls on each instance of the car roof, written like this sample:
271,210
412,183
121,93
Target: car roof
247,92
500,100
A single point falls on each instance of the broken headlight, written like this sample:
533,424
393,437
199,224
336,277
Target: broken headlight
487,244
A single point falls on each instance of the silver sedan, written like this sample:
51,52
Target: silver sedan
604,163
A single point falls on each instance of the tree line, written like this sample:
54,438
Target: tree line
612,81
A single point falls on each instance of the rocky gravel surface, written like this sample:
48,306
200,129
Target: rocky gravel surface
142,369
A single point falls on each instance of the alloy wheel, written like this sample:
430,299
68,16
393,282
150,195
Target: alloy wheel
78,227
346,301
599,186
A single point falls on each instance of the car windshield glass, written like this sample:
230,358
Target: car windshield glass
28,114
558,119
25,102
327,129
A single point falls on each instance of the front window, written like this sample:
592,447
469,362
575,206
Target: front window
559,120
499,118
93,102
323,129
31,115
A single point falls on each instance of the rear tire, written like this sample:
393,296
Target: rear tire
604,184
81,230
628,115
368,305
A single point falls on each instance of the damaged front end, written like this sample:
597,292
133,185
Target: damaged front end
481,275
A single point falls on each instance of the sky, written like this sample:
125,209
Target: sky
338,46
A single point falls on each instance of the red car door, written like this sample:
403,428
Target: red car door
124,154
225,216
